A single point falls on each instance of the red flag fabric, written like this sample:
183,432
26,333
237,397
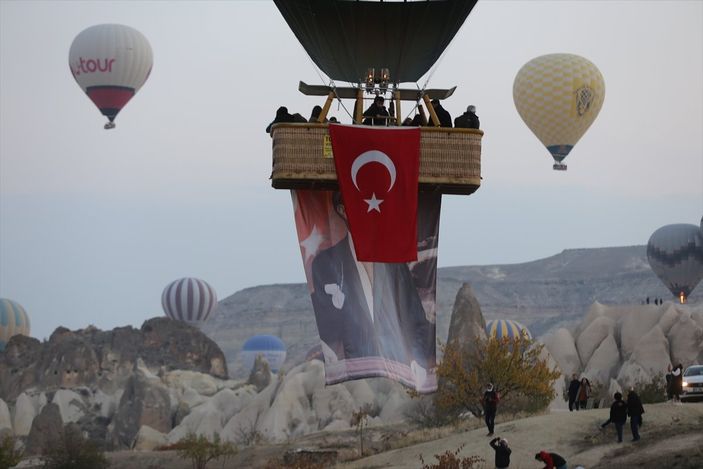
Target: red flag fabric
377,171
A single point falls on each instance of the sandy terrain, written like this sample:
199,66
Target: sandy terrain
667,430
672,437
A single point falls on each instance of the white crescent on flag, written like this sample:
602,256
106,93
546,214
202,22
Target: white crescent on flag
370,157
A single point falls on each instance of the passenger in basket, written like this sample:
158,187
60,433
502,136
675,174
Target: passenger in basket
376,113
468,120
282,115
445,120
315,115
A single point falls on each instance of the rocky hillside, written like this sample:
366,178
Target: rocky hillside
544,294
130,388
105,359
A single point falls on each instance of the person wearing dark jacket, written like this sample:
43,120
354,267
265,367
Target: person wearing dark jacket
573,392
584,393
551,460
315,115
490,406
500,445
635,411
618,415
376,113
445,119
677,382
468,120
282,115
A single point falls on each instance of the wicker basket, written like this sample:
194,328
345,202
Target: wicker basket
450,159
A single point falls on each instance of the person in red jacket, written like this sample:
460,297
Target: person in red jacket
551,460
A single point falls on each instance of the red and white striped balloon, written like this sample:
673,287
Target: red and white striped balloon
188,299
110,62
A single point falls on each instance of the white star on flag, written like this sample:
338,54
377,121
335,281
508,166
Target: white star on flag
374,203
312,243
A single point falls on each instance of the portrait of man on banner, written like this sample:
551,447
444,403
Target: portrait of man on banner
374,319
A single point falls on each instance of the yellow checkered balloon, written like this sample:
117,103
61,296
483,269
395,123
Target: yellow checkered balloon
559,96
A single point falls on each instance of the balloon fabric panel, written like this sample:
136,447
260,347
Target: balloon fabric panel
374,319
559,96
675,254
13,320
188,299
110,62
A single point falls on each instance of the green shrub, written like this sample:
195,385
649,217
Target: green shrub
652,392
10,455
452,460
201,451
70,450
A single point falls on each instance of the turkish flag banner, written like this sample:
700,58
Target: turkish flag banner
377,171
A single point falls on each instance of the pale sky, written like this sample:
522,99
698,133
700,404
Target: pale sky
94,223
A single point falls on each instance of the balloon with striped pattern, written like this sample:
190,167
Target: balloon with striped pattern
188,299
13,321
500,328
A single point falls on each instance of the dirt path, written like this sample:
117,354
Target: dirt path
672,437
667,429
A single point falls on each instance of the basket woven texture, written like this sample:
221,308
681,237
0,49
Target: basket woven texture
450,159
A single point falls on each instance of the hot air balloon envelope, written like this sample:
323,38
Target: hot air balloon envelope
675,254
559,96
269,346
188,299
13,321
502,328
110,62
346,39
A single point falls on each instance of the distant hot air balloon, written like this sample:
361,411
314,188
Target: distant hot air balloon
675,254
110,62
13,321
188,299
559,96
501,328
269,346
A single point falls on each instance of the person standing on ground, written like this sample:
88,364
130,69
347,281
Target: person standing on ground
490,407
551,460
618,415
584,393
500,445
677,382
669,383
634,411
573,392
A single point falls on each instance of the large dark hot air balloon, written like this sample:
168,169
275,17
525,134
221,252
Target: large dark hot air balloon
188,299
375,46
375,318
348,38
675,253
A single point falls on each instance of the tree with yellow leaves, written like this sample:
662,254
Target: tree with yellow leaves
515,366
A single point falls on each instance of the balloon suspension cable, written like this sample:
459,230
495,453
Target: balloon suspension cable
339,100
331,85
